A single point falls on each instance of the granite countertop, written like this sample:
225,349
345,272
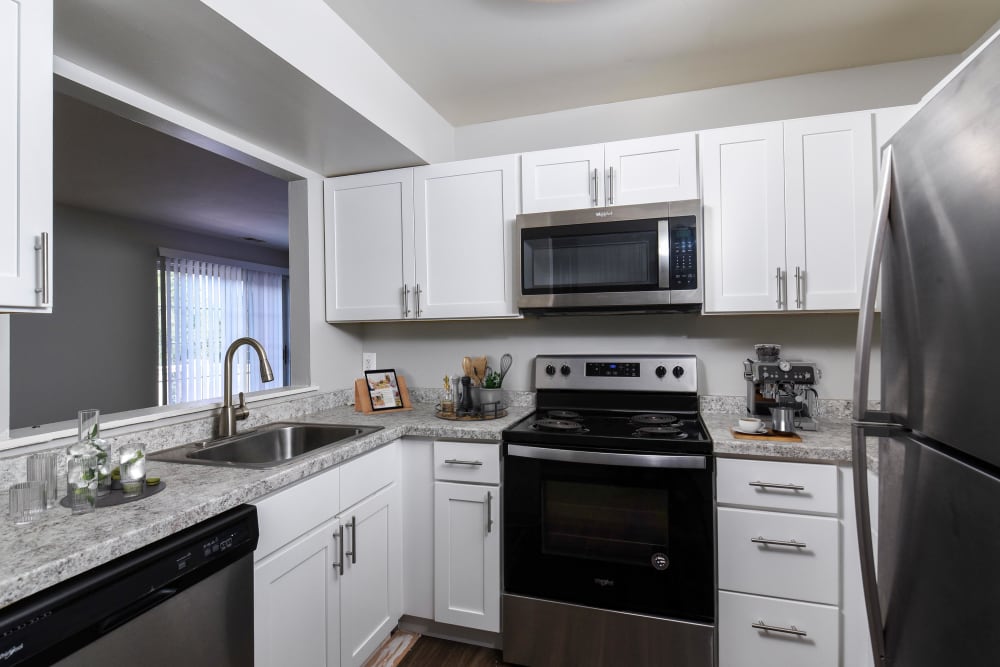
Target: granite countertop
59,546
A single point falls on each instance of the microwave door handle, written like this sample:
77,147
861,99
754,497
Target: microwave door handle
663,241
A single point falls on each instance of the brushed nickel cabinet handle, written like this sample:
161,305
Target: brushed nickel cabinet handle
773,485
778,543
416,293
611,186
460,462
489,512
593,184
353,553
43,246
761,625
799,275
777,278
339,536
406,300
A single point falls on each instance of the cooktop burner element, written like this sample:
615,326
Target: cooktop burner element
668,432
562,414
558,426
653,419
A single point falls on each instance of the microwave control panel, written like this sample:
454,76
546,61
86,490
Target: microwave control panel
683,253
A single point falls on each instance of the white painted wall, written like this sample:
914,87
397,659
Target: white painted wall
853,89
425,351
316,41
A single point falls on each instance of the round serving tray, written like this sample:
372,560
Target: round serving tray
469,417
116,497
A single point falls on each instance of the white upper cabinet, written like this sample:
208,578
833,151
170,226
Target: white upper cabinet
636,171
829,204
787,213
369,245
464,223
744,217
26,156
426,243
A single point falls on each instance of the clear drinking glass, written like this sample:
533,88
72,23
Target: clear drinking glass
27,501
132,466
81,482
89,430
42,467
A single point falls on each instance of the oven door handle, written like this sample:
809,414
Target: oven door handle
609,458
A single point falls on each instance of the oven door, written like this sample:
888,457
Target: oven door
629,532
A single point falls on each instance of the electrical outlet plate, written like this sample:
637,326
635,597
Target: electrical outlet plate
367,361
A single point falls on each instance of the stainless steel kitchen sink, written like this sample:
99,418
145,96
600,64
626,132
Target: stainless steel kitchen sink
265,447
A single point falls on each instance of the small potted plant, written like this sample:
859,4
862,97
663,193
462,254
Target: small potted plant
490,392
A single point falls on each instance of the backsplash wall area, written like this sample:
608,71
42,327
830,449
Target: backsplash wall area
424,351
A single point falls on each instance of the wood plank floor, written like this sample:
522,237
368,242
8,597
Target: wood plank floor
433,652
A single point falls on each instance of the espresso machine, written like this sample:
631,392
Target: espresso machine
776,382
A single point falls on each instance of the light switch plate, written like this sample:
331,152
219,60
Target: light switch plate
367,361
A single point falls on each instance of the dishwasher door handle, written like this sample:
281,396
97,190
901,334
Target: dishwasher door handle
137,608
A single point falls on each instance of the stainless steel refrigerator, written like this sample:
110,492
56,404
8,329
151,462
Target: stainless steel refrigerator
936,600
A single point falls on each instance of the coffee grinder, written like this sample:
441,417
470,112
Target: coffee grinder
775,382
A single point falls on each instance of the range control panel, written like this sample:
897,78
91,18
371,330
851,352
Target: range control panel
669,372
612,369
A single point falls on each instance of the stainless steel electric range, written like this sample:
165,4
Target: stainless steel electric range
608,544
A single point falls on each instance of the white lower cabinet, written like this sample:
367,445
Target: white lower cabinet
780,583
756,631
467,555
328,582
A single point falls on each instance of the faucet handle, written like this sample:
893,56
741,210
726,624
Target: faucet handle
241,411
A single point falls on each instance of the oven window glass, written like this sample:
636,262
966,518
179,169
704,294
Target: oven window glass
591,262
603,522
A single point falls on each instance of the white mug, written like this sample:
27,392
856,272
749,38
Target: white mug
751,424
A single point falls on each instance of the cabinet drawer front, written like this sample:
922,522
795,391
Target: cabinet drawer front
363,476
775,485
753,560
477,462
742,645
293,511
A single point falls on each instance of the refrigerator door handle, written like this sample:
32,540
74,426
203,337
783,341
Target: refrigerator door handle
859,454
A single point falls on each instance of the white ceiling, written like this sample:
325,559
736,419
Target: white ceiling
481,60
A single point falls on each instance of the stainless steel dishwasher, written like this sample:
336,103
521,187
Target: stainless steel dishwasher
184,600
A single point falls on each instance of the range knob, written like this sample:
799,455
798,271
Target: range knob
660,371
550,370
678,371
565,370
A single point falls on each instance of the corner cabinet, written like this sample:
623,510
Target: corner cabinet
635,171
430,242
787,212
26,156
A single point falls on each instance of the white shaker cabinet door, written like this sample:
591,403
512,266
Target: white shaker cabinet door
463,230
26,156
744,218
369,246
371,590
562,179
296,602
467,555
829,204
654,169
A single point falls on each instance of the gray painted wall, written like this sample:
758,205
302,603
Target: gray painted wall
98,349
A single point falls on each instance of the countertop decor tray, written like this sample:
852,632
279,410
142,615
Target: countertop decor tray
770,435
116,497
470,417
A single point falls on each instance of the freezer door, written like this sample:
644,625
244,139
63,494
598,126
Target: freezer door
940,321
938,554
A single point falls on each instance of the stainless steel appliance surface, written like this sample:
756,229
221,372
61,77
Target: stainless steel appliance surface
608,542
184,600
636,258
936,243
783,383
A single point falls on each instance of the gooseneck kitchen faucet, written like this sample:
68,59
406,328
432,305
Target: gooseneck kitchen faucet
231,414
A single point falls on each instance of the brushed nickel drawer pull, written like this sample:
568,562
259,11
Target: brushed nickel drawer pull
778,543
772,485
460,462
489,512
761,625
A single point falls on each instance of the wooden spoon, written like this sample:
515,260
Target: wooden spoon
478,370
467,366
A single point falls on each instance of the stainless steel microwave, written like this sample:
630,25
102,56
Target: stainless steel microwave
636,258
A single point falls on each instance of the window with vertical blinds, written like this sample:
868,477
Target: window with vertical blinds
204,306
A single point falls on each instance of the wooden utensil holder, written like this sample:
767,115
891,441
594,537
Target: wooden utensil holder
363,400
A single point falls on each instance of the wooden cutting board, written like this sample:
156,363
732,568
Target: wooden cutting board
773,436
